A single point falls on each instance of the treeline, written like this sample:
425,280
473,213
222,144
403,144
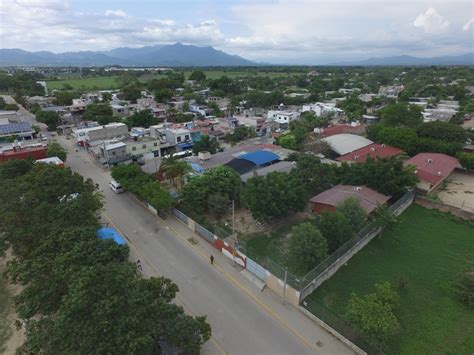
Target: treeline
80,294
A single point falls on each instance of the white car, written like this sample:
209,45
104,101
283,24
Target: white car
116,187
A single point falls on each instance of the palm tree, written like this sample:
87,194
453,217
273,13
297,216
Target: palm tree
174,168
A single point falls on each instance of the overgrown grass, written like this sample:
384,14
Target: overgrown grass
87,83
431,249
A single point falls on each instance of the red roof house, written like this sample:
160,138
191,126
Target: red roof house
432,169
24,153
373,150
329,200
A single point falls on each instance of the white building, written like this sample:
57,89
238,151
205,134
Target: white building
283,117
323,109
108,131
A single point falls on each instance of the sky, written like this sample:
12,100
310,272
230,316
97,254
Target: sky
278,31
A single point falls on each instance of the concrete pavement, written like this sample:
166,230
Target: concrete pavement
243,319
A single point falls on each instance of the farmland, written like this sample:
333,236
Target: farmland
87,83
430,250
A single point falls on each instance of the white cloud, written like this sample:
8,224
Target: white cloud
431,22
118,13
468,25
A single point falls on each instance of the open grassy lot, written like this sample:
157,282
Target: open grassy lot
431,249
216,74
91,83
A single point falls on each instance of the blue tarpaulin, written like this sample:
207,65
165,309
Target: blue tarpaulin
110,233
260,157
185,145
197,168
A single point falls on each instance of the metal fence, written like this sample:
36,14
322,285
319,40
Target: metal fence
180,215
256,269
301,282
341,326
204,233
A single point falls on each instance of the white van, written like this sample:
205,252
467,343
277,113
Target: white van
116,187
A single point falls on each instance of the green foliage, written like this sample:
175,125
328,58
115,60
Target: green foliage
49,118
353,107
144,118
197,75
335,228
274,195
156,196
75,286
100,112
175,168
384,218
55,150
407,139
240,133
307,247
206,144
373,315
221,180
401,114
464,288
315,175
354,213
8,107
64,98
218,204
466,160
443,131
387,176
131,93
288,141
21,84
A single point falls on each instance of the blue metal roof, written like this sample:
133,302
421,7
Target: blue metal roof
110,233
260,157
18,127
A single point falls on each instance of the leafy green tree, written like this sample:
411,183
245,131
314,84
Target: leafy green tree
401,114
197,75
221,180
175,168
131,93
466,160
373,315
240,133
100,112
206,144
335,229
442,131
163,94
384,218
274,195
218,204
55,150
156,196
144,118
353,107
49,118
354,213
288,141
307,247
315,175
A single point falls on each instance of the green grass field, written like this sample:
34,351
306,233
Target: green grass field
92,83
431,249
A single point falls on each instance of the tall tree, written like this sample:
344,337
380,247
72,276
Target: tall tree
307,247
354,213
335,228
56,150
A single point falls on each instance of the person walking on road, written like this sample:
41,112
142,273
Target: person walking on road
139,265
212,259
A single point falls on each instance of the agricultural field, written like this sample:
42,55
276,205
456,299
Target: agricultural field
216,74
87,83
430,250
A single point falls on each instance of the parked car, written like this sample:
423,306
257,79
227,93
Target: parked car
116,187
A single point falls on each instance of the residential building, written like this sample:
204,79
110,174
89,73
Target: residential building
283,117
372,151
148,147
323,109
108,131
17,151
432,169
200,109
120,110
180,137
344,143
391,91
329,200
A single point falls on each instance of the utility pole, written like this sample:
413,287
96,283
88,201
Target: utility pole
284,286
233,233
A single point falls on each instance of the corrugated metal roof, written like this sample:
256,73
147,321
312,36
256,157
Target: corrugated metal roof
260,157
346,143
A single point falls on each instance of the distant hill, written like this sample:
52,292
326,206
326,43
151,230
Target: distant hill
465,59
160,55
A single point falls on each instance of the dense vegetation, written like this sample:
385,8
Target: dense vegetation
79,293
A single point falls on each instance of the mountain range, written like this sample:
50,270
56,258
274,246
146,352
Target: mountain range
174,55
465,59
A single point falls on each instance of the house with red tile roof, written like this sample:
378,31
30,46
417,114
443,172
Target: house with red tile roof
373,151
432,169
329,200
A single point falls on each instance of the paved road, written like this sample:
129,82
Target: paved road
239,325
